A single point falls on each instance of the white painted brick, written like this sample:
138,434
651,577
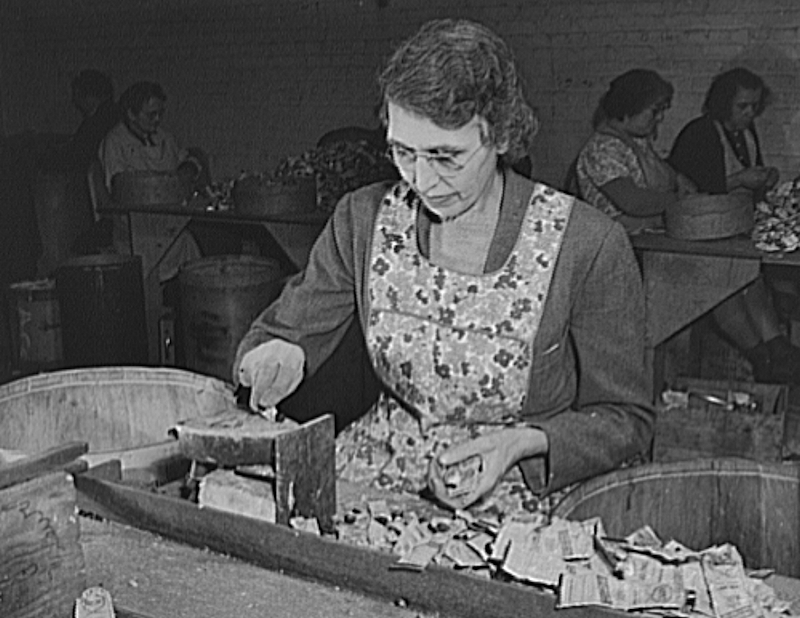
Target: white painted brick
255,80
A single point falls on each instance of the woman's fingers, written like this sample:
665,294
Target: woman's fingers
273,370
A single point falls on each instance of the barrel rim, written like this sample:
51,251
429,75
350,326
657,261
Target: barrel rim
127,374
702,203
201,270
717,466
99,260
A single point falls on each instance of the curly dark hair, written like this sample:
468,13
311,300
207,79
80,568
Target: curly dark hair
452,70
719,98
136,95
631,93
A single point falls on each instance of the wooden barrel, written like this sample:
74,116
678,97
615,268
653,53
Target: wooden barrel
219,298
35,325
63,213
111,408
701,503
101,298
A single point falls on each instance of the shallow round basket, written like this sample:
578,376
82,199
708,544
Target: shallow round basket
141,188
700,503
707,217
256,196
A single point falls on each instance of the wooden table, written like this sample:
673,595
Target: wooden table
150,231
684,280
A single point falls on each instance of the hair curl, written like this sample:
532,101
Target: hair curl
136,95
719,99
452,70
631,93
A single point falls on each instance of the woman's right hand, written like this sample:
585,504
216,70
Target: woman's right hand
753,178
273,370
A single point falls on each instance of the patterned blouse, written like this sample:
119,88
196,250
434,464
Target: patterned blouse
605,158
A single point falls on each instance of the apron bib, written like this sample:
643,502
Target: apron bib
732,163
454,349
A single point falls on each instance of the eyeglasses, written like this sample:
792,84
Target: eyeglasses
661,107
444,164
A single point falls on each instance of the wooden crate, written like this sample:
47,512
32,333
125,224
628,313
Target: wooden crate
41,560
704,429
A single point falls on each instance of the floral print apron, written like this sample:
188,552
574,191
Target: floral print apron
454,349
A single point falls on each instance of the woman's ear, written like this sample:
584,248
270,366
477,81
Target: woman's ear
500,146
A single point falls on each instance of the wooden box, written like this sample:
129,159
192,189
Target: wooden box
41,560
705,427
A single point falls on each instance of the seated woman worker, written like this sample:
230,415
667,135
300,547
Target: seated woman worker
720,152
505,319
618,169
138,143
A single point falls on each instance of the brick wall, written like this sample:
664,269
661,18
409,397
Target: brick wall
255,80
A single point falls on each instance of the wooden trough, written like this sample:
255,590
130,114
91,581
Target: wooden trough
122,412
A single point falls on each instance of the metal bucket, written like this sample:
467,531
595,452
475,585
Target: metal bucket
219,298
701,503
101,299
35,325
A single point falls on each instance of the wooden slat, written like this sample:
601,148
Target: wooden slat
40,463
305,472
366,571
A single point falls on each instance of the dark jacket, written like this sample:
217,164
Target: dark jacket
698,154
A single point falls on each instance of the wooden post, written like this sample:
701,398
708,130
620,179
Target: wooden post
305,472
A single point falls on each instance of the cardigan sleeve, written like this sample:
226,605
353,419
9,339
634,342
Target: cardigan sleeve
609,419
318,304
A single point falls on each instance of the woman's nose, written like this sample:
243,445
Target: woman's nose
425,176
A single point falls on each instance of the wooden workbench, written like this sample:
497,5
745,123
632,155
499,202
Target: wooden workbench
684,280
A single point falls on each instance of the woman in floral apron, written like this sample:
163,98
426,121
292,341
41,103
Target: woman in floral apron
505,319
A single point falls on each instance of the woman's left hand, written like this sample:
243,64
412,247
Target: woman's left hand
468,471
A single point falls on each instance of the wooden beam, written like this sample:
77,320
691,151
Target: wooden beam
37,464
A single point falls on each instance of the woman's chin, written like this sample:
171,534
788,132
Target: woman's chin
443,209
